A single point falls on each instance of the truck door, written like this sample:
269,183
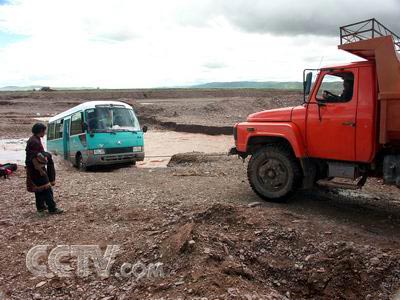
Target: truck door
331,115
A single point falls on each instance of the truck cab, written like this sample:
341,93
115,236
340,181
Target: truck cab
345,128
340,114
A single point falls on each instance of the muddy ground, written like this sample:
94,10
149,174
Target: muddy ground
199,218
209,111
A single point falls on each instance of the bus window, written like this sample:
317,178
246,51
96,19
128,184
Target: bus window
90,119
112,118
76,124
50,132
59,129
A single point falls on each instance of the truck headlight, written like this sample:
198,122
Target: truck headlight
99,152
137,149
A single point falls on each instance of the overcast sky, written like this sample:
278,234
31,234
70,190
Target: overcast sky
156,43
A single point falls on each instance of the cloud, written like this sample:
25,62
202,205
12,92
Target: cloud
293,17
214,65
136,43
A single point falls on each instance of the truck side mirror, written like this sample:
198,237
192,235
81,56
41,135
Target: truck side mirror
144,129
307,83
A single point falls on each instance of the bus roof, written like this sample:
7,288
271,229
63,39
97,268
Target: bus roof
84,106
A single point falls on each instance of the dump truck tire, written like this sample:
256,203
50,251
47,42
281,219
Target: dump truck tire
274,173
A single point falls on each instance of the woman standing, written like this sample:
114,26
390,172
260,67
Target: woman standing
40,172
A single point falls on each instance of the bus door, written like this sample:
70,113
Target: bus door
66,138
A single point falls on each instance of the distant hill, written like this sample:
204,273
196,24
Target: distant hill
12,88
20,88
335,86
290,85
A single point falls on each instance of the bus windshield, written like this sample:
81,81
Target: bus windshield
111,118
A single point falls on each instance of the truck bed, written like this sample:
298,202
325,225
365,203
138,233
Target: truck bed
381,46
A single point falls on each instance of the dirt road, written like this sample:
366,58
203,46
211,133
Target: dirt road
214,237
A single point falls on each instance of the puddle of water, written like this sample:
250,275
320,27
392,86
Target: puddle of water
43,119
13,150
356,193
159,147
168,143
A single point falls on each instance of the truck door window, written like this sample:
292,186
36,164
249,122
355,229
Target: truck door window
336,88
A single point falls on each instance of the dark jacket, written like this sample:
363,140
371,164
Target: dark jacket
40,171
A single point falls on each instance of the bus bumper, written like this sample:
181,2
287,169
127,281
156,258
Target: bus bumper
110,159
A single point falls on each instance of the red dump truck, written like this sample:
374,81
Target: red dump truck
348,126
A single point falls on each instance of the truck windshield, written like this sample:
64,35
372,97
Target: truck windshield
111,118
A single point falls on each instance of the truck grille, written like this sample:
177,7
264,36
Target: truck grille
119,150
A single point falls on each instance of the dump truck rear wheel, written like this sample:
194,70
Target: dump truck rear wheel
274,173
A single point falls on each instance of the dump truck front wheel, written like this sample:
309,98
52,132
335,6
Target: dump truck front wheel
274,173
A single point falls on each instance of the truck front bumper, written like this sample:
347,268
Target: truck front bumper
233,151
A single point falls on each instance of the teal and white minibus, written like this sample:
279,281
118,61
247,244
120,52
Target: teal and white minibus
97,133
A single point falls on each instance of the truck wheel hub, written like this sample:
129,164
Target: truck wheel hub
273,174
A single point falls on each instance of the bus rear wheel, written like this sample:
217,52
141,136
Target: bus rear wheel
80,164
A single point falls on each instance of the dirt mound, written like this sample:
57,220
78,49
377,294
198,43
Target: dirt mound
202,256
179,242
338,270
217,213
226,246
182,239
212,108
193,158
